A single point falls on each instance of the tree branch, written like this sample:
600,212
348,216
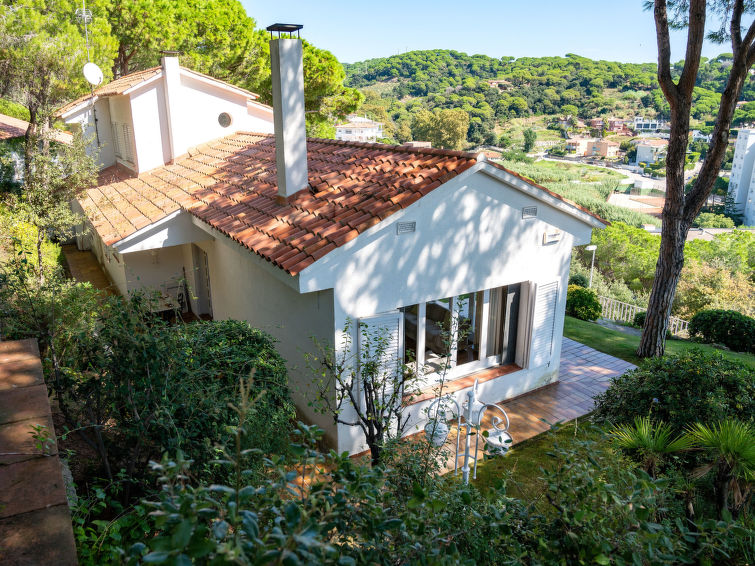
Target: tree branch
695,38
664,51
736,26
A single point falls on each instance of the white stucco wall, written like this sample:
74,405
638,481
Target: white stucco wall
150,126
120,112
85,119
470,236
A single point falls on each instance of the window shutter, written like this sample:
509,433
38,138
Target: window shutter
543,323
387,327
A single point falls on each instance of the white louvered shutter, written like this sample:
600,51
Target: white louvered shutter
543,323
387,326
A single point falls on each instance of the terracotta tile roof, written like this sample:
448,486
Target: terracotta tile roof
122,84
113,88
231,184
11,127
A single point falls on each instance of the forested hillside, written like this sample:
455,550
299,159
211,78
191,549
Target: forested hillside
493,91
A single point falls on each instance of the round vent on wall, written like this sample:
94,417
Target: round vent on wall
224,119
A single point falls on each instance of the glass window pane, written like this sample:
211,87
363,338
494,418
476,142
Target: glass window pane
469,326
410,334
437,335
495,321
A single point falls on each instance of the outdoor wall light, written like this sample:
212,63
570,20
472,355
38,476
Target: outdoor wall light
497,439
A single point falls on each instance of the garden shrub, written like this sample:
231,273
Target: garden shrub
680,390
730,328
582,303
639,319
579,279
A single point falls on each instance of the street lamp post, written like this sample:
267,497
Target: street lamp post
592,249
497,439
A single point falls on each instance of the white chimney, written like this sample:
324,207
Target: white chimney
287,67
172,90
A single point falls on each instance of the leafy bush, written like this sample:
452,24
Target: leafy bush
579,279
680,390
582,303
711,220
639,319
730,328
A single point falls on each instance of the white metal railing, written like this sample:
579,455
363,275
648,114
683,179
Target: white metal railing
624,312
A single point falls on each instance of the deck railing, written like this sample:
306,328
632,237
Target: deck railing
624,312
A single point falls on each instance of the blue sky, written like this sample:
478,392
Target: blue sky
615,30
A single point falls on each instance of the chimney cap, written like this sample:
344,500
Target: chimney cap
171,53
284,28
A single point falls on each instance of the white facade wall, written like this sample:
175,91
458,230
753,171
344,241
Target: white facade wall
649,153
742,180
470,236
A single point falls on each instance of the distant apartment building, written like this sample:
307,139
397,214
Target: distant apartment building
641,124
360,129
742,180
650,151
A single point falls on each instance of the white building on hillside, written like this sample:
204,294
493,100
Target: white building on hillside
650,151
742,180
330,239
359,129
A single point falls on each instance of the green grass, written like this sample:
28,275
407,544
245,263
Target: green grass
624,346
13,109
520,468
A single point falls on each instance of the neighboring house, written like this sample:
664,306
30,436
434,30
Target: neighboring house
615,125
698,136
641,124
301,237
742,180
650,151
580,146
359,128
151,117
605,148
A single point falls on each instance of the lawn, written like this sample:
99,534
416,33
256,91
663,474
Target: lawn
520,468
624,345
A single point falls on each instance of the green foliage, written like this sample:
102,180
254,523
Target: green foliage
11,170
529,140
679,390
730,328
648,441
582,303
639,319
579,279
10,108
710,220
444,128
730,449
493,91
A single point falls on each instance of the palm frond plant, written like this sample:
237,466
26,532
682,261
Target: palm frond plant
651,442
730,450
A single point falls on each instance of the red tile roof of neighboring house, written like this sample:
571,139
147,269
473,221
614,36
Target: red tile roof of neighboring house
11,127
124,83
231,184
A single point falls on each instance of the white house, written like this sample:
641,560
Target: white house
299,237
641,124
359,128
742,181
650,151
151,117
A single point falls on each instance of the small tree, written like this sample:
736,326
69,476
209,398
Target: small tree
529,140
56,174
370,386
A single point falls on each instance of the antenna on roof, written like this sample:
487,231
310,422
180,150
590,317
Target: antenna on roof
92,73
